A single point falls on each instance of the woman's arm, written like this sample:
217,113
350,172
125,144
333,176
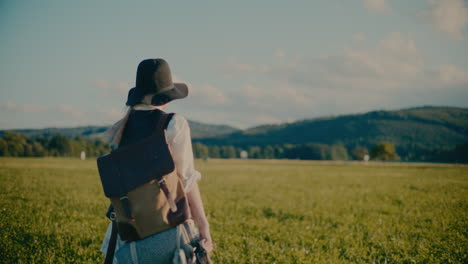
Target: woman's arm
199,216
180,144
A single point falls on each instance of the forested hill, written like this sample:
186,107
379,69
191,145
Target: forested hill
202,130
416,134
198,130
413,128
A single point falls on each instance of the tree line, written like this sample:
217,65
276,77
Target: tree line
17,145
308,151
384,151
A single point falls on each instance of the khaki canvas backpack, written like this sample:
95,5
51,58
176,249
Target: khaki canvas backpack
143,186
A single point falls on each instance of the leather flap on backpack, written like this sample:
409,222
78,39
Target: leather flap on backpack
131,166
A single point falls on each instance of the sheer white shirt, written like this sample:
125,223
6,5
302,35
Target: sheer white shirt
180,145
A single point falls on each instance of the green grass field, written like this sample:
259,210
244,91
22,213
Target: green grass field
52,211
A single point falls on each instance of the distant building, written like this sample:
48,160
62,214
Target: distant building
366,157
244,154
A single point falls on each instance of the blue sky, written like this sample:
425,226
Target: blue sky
71,63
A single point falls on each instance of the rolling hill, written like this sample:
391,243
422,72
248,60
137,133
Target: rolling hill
198,130
416,132
409,129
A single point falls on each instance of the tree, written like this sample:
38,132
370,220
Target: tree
279,152
312,151
461,153
338,152
255,152
79,144
101,147
200,151
44,141
38,149
213,151
28,150
384,151
4,148
268,152
15,142
359,152
228,152
61,145
289,151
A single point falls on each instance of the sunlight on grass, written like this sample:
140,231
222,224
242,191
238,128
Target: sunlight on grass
259,211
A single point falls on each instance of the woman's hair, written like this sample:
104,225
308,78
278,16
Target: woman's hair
114,134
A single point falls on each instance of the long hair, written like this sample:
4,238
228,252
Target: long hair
114,133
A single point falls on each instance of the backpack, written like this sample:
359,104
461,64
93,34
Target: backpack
143,186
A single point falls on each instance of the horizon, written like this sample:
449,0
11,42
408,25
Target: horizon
259,125
246,64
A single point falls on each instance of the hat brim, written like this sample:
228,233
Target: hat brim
178,91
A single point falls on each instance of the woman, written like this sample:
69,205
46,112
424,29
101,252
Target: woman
147,101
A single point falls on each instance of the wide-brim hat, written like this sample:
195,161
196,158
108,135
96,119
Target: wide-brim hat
154,77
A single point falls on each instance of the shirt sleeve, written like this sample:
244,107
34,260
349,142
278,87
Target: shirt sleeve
180,144
105,242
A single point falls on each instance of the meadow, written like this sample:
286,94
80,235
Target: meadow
260,211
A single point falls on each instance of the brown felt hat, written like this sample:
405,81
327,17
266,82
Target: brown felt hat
154,77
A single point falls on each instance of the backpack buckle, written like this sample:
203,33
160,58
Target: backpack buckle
112,216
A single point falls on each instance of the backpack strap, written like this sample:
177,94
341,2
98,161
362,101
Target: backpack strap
163,122
112,242
168,119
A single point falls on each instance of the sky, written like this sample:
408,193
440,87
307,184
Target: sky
247,63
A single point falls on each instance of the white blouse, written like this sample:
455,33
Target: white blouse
180,145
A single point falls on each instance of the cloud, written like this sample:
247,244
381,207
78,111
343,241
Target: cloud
377,6
6,123
205,93
109,115
448,16
240,67
393,63
246,68
123,86
104,84
362,76
69,110
359,37
177,79
107,87
111,90
25,108
266,119
451,75
279,53
273,96
17,115
209,94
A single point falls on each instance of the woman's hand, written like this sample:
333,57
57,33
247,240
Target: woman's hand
206,238
198,213
207,245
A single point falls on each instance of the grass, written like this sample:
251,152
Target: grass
260,211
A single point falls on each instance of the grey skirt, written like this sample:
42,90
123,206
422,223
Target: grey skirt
161,247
